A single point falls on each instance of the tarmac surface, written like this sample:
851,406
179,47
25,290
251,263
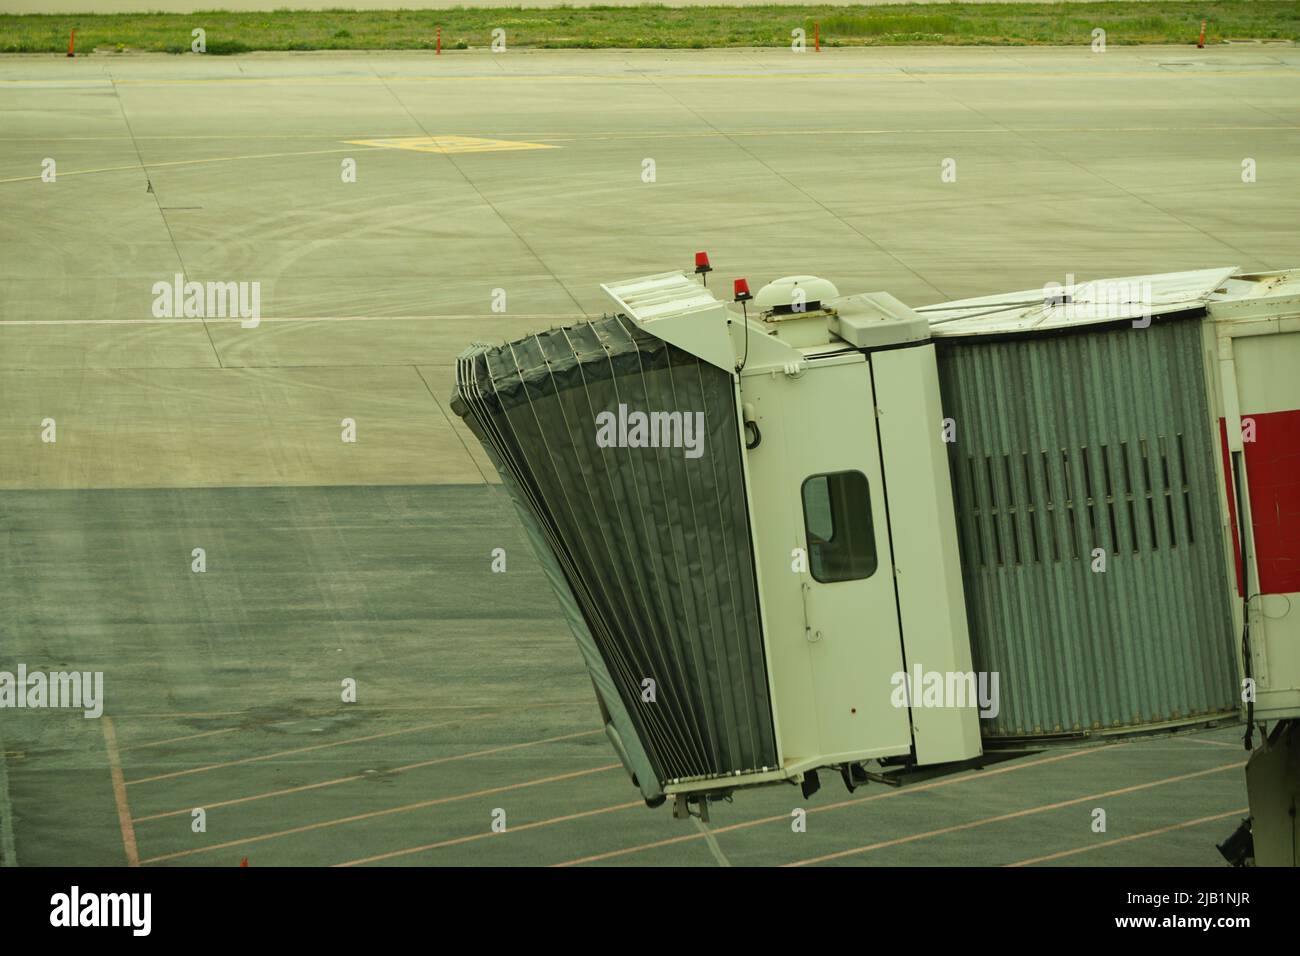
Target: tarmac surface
370,560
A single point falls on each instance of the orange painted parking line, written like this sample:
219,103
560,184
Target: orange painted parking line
406,808
362,776
497,708
1134,836
913,788
640,848
486,834
263,723
206,713
958,827
176,740
1213,743
119,793
303,750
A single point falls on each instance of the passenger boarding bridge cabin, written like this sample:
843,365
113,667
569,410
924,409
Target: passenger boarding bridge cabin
911,534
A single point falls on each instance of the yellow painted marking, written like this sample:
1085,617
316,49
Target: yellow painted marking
632,134
448,144
496,145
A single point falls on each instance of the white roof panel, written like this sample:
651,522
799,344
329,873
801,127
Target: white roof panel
659,296
1083,303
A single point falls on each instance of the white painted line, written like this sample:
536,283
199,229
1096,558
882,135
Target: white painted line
147,167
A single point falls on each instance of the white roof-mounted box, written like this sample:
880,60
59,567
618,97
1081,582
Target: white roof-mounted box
875,320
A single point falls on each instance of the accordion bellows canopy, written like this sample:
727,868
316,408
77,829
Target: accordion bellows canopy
649,548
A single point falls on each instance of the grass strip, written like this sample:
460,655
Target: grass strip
658,27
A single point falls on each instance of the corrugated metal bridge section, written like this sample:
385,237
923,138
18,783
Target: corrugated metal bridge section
1068,443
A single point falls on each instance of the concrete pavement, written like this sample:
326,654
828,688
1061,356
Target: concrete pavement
230,169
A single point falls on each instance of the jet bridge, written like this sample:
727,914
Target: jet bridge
803,530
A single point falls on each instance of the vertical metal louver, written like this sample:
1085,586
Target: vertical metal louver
650,547
1070,442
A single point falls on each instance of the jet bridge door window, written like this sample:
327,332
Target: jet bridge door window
837,522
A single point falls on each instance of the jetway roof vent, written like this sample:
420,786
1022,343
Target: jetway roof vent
794,296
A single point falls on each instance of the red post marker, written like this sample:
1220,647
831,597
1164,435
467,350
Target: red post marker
1200,44
72,42
439,53
817,37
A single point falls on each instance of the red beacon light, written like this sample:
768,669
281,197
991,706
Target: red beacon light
702,263
742,290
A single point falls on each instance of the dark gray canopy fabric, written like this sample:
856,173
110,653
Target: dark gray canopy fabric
649,548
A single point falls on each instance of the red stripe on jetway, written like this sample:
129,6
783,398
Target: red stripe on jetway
1273,483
